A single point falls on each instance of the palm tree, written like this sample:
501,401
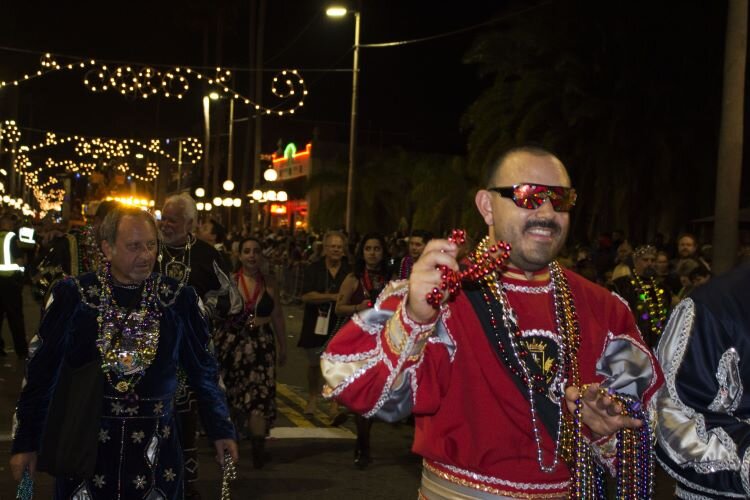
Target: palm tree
619,105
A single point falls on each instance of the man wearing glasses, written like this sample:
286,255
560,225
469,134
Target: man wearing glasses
516,372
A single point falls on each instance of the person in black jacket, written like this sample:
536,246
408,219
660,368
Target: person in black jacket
198,264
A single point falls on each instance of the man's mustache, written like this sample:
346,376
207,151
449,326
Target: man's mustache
542,223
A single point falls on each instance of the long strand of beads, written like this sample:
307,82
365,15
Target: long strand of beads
141,327
25,489
634,452
533,382
229,473
567,323
601,484
652,306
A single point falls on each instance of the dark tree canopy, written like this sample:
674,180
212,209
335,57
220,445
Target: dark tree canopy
627,94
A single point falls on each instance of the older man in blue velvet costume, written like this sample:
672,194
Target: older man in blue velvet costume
140,327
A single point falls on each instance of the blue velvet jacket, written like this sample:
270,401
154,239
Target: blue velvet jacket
138,454
703,411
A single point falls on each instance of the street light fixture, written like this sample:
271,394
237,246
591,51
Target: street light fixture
228,184
200,192
338,11
270,174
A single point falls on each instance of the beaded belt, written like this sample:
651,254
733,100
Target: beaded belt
142,408
438,484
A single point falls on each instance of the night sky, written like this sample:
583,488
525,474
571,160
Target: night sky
411,96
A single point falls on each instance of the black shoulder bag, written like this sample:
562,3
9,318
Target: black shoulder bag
70,437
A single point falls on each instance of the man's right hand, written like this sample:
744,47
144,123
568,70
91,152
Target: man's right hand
19,462
424,277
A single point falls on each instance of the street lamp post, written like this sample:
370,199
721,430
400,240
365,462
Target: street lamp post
230,151
339,12
207,139
179,165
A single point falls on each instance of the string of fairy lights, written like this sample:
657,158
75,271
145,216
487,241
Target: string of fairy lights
145,81
133,158
130,157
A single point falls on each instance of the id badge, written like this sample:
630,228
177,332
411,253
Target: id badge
321,324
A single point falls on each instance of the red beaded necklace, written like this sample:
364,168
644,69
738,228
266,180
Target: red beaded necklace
372,290
259,286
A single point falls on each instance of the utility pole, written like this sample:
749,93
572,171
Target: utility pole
729,164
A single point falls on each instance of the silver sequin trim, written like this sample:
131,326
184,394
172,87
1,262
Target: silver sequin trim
688,495
528,289
675,361
504,482
745,471
351,378
443,335
396,370
348,358
416,328
412,373
372,329
541,333
375,355
730,387
697,487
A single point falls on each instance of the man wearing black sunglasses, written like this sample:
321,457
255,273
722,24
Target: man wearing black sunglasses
518,386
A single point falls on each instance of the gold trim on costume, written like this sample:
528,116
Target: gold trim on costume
395,334
438,485
397,338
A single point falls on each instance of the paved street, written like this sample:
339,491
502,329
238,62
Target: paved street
309,458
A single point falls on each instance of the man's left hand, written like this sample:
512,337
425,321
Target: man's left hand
226,445
601,413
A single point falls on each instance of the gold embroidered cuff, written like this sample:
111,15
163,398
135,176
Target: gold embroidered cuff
400,328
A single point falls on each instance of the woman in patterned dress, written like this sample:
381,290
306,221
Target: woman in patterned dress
248,347
358,291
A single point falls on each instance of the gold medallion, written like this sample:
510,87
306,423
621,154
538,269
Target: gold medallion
122,386
176,269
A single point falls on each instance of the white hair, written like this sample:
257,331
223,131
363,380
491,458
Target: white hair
187,206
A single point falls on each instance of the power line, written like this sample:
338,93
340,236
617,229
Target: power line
295,39
454,32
